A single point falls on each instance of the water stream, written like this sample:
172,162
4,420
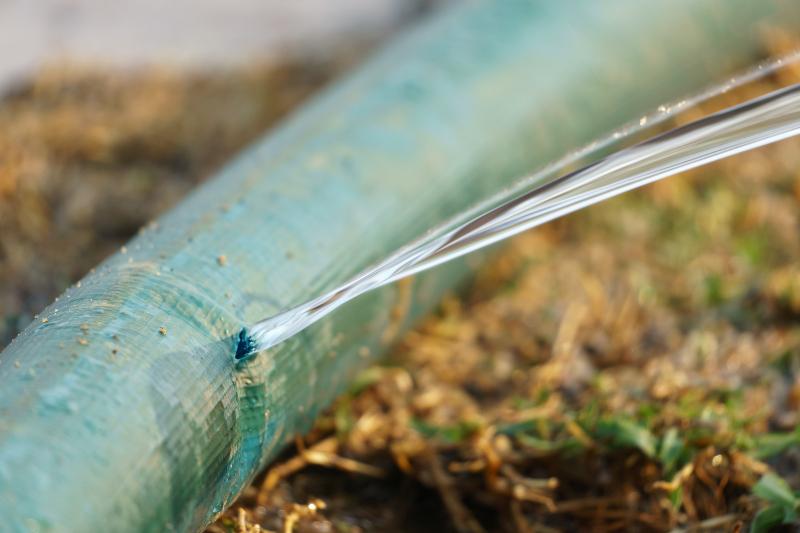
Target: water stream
550,194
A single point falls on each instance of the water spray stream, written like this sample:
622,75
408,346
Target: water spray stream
549,194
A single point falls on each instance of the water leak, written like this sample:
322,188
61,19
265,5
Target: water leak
550,194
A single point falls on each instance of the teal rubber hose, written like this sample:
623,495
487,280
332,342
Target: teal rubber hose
122,407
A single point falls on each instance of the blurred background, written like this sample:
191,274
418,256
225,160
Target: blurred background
186,33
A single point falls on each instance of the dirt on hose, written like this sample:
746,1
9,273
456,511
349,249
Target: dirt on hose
635,366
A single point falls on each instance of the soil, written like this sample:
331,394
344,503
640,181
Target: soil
635,366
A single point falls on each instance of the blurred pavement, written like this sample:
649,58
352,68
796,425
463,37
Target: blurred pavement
182,32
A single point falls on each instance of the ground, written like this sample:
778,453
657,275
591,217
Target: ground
635,366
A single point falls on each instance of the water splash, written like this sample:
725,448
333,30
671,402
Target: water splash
547,195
